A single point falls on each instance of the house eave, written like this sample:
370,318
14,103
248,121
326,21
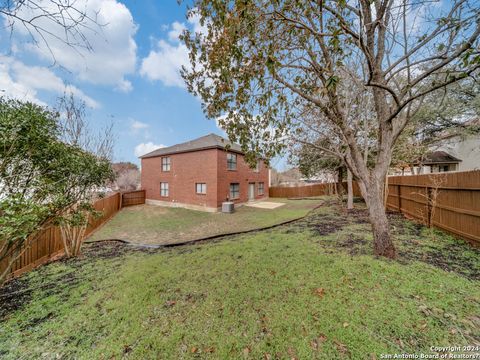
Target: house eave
146,156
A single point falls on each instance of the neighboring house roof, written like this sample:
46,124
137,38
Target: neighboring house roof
438,157
210,141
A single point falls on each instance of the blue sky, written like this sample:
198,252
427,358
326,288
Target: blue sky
130,78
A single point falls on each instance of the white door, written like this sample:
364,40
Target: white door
251,191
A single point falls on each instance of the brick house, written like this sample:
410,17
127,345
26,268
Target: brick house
201,174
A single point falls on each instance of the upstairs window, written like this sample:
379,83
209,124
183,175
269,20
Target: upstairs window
165,163
164,189
201,188
231,161
234,191
261,188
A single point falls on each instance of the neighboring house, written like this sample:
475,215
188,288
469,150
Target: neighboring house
438,161
201,174
455,149
466,148
462,145
432,162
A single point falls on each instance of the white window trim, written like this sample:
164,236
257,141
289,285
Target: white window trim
166,166
230,162
203,187
164,189
262,191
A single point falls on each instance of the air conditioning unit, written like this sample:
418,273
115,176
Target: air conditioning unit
228,207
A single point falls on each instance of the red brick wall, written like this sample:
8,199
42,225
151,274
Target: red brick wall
186,169
243,175
204,166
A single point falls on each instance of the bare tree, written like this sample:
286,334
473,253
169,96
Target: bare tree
261,62
432,192
78,132
66,21
128,180
322,145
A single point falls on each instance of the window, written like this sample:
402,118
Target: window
257,166
261,188
231,161
234,191
164,189
165,163
201,188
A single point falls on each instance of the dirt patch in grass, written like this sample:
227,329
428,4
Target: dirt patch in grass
435,247
13,295
354,244
350,231
110,249
18,292
37,321
327,225
358,216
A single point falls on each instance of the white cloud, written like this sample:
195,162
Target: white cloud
124,86
164,62
18,80
138,125
113,54
176,31
145,148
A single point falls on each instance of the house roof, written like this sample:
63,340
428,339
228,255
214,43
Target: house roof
210,141
438,157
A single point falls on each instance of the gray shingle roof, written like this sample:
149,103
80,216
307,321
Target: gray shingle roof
439,157
210,141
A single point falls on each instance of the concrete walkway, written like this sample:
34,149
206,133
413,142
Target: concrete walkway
265,204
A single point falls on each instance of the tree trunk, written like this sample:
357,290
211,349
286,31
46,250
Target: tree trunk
339,184
350,189
382,241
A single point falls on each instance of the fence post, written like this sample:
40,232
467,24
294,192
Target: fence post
399,194
429,205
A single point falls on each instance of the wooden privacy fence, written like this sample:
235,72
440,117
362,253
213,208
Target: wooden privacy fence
449,201
301,191
48,243
133,198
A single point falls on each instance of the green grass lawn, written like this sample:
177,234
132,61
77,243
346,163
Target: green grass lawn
307,290
150,224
